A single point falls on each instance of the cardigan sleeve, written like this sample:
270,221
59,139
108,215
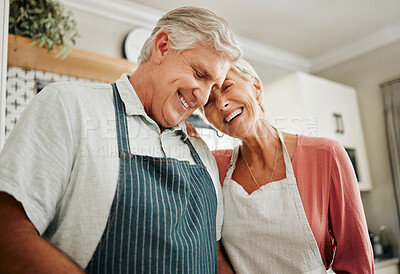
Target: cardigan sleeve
347,219
223,159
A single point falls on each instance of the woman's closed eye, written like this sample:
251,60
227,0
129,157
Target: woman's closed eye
198,75
227,86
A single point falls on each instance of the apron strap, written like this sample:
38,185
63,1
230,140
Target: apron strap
122,128
288,164
193,151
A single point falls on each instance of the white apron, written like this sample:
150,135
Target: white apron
267,231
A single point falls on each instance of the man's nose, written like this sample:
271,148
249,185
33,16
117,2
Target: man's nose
201,94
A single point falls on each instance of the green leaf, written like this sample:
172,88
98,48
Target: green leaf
46,21
50,43
42,41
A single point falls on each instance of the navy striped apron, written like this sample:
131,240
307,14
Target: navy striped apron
163,216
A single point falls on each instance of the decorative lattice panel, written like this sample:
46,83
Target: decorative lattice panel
22,87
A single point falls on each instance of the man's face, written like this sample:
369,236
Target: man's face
183,81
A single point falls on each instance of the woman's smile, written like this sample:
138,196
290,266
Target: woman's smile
233,115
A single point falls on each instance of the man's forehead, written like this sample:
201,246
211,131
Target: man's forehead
212,64
204,54
222,72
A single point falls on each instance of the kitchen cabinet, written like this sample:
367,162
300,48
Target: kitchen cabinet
301,103
390,266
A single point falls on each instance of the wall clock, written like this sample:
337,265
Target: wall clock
133,43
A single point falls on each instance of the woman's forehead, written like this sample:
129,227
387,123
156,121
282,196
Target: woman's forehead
234,75
231,75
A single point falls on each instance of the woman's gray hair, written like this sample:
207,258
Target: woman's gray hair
190,25
246,70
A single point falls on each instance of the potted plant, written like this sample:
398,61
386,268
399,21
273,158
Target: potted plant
44,21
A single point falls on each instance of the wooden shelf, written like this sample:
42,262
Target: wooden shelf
79,63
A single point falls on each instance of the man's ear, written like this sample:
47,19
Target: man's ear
161,46
257,86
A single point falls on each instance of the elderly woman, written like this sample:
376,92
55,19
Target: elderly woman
291,202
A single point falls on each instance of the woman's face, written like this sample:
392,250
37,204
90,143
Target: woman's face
234,109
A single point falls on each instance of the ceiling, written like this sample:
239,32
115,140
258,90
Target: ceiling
304,35
313,29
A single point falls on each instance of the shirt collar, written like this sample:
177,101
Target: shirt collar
133,105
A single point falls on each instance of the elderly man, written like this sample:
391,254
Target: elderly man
104,178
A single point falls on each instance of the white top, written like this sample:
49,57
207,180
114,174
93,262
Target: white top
61,160
267,231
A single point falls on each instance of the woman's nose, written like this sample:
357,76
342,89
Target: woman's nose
222,103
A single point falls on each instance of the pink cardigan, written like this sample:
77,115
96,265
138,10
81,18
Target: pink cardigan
332,202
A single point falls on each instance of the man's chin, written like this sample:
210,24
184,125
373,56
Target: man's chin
173,121
170,123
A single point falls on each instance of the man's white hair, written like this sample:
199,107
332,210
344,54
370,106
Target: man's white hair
188,26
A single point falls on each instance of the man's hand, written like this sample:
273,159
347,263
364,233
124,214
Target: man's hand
22,250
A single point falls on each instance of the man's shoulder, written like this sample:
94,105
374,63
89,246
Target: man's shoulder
73,88
76,93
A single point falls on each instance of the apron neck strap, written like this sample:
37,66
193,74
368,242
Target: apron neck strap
193,151
286,157
122,128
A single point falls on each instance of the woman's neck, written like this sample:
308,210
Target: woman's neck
262,144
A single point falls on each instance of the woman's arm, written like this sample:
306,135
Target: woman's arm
223,159
348,224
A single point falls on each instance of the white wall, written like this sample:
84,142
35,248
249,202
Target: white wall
100,35
365,73
269,73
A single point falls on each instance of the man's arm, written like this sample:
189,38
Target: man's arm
224,265
22,249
